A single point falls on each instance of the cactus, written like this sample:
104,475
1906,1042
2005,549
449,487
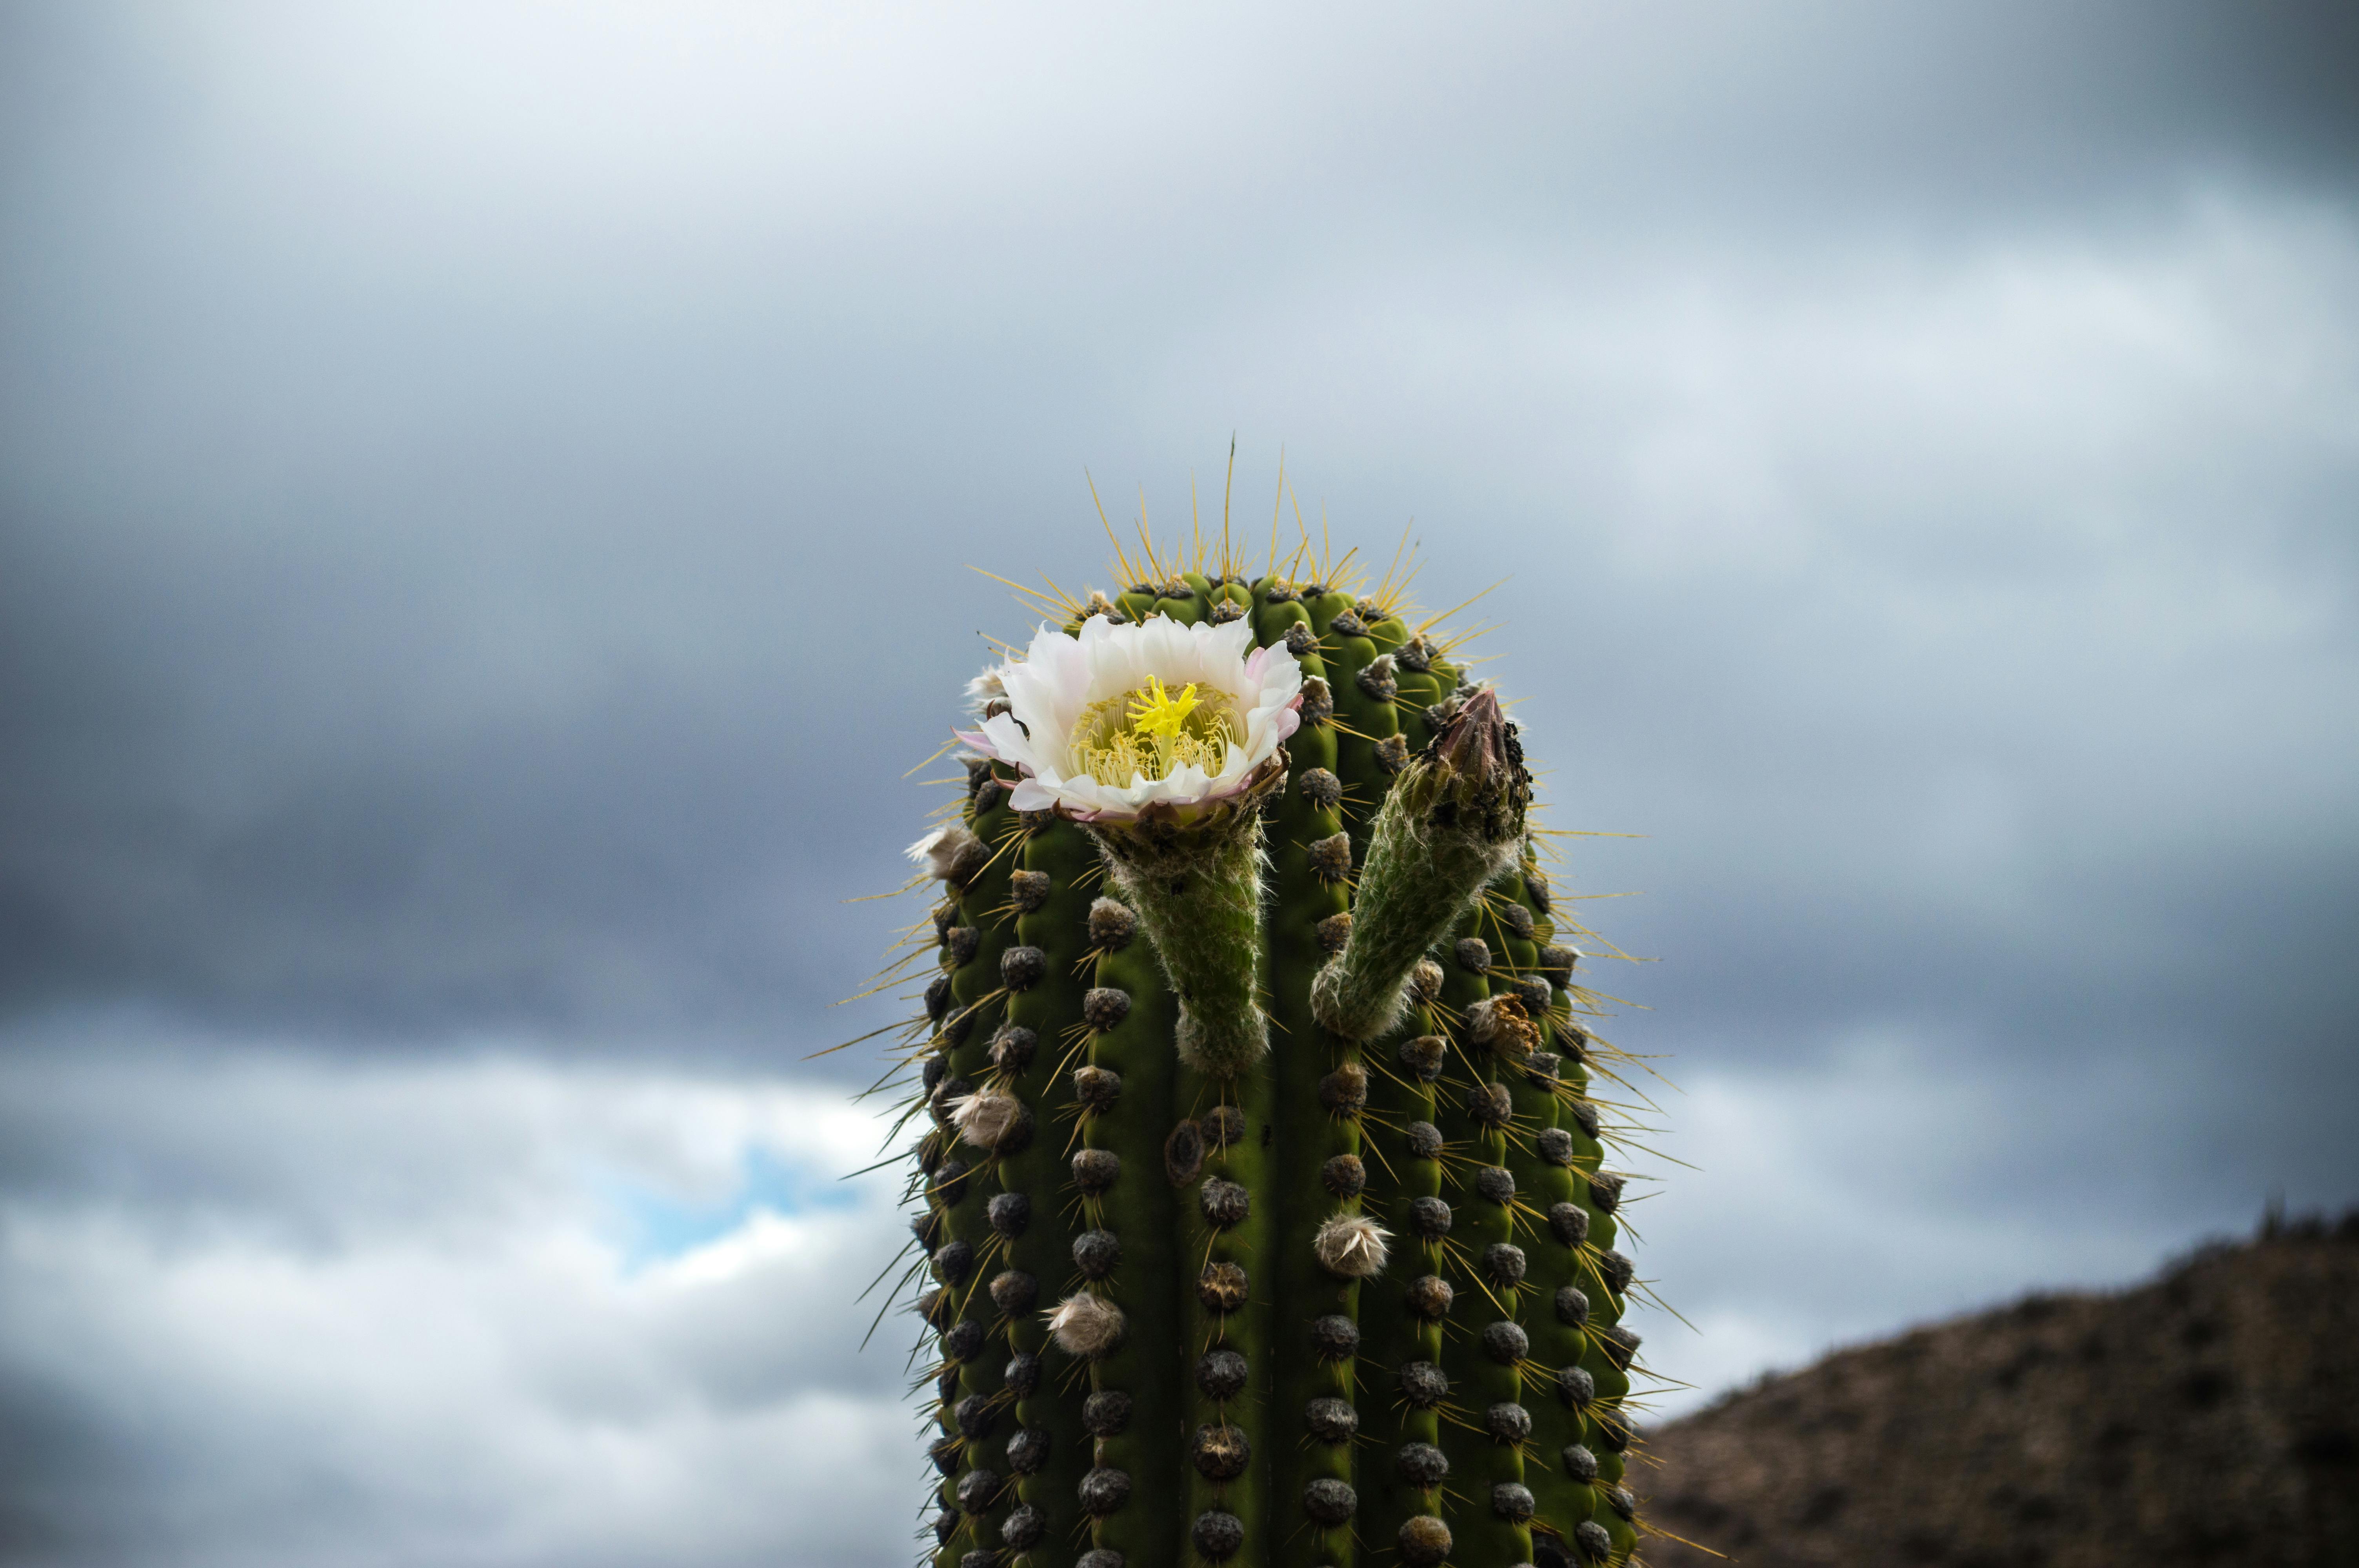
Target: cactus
1262,1212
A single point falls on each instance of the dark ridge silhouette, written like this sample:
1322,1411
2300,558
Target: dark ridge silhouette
2210,1417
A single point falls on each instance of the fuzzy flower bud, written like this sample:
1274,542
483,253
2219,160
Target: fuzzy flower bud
1453,821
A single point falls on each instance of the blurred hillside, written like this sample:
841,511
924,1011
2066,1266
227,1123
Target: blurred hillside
2208,1417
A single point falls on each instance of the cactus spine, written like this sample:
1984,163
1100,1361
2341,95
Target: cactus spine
1264,1212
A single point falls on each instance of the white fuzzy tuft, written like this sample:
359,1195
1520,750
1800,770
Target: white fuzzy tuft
1086,1326
986,1116
1352,1245
1500,1021
940,850
1425,978
986,689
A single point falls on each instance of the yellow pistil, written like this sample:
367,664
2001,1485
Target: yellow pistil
1161,714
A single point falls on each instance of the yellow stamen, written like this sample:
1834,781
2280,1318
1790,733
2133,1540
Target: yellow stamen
1148,732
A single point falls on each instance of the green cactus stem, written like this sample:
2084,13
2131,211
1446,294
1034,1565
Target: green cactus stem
1265,1215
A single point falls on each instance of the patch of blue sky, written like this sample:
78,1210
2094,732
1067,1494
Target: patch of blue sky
659,1223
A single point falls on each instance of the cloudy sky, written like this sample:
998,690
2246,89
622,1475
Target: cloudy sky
486,494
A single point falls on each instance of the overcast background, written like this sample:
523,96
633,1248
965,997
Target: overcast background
486,497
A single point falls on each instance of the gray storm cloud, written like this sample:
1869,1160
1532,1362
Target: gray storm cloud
485,504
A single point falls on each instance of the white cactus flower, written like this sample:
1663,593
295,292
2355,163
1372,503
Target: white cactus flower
1104,725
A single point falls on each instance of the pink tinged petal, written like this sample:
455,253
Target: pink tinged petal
1030,794
1226,642
1006,738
